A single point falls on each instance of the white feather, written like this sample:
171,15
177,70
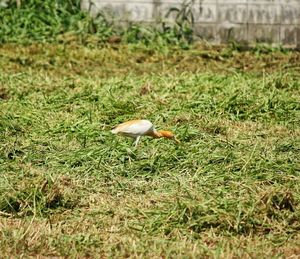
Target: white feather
138,128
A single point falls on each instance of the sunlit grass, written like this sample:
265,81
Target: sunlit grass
70,187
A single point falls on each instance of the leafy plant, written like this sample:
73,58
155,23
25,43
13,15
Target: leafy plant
181,21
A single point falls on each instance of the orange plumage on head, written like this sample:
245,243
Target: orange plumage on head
166,134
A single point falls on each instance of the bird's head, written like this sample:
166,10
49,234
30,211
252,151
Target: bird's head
167,134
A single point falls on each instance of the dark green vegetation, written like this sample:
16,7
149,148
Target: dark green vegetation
63,21
68,187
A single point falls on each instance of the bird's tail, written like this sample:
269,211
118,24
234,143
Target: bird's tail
114,131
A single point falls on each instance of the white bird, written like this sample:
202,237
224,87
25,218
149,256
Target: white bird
138,128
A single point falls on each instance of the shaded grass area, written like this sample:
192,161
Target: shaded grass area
70,188
109,60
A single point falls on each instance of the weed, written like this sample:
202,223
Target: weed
182,21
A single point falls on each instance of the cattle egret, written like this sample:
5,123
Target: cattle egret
137,128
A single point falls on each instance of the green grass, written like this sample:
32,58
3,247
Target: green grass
64,21
69,187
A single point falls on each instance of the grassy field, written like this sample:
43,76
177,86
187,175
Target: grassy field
69,188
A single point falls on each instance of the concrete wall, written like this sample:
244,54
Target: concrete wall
218,21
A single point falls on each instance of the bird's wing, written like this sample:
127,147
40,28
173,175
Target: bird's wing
134,127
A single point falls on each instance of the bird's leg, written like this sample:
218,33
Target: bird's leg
137,141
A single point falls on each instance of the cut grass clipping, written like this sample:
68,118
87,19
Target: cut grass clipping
69,187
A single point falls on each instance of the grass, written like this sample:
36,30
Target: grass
47,21
70,188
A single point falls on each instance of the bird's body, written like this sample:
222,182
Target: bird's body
138,128
134,128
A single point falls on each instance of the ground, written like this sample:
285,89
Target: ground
69,188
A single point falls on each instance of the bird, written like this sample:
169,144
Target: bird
137,128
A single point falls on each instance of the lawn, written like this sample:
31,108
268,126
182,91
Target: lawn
69,188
